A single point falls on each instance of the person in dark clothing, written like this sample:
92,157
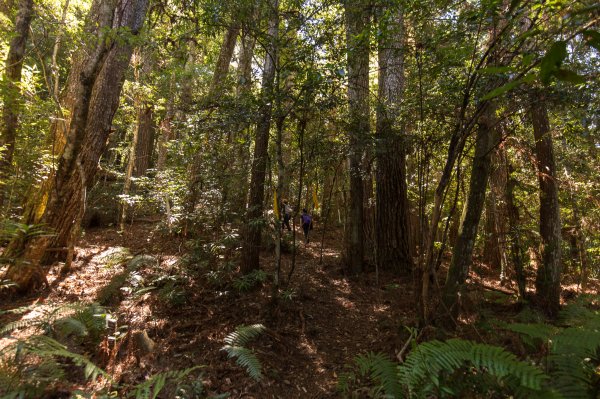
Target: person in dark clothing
306,224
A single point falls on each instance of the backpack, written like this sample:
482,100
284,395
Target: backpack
307,219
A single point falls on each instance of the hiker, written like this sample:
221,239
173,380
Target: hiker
307,223
287,215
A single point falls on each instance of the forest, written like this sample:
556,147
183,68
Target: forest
299,199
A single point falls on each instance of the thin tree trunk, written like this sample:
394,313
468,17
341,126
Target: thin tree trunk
494,248
12,97
392,231
57,42
516,248
547,281
215,89
301,131
254,214
357,42
223,62
99,86
463,249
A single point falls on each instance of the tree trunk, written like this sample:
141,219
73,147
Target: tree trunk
514,233
140,150
145,142
12,97
469,223
216,88
392,231
223,62
495,214
357,42
254,213
547,281
98,82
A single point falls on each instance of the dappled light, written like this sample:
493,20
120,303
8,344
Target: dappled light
299,199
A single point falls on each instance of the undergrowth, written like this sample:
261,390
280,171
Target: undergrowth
563,362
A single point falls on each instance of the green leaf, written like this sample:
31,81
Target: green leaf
491,70
508,86
569,76
552,60
593,38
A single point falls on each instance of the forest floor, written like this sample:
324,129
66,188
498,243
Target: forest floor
313,332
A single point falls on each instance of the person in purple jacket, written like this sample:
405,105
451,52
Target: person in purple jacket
306,224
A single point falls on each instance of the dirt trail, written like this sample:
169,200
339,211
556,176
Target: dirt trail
320,322
326,321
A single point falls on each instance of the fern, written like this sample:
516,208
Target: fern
150,388
78,319
381,370
31,366
572,351
235,348
250,280
426,365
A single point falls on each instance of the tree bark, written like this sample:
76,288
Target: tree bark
215,89
516,249
392,231
254,212
224,60
357,43
98,86
467,232
547,281
145,142
12,97
494,251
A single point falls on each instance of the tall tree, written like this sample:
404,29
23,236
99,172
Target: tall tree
357,17
254,213
392,231
11,97
97,84
486,139
547,282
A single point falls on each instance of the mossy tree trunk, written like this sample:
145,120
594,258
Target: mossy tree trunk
96,85
547,281
11,92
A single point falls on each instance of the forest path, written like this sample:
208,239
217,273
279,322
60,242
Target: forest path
320,322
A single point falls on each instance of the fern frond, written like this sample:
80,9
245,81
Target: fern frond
235,347
578,314
245,358
18,325
532,330
150,388
426,363
46,347
19,310
382,370
244,334
577,340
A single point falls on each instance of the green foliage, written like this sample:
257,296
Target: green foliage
572,351
150,388
380,370
425,367
235,348
250,280
33,365
78,319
